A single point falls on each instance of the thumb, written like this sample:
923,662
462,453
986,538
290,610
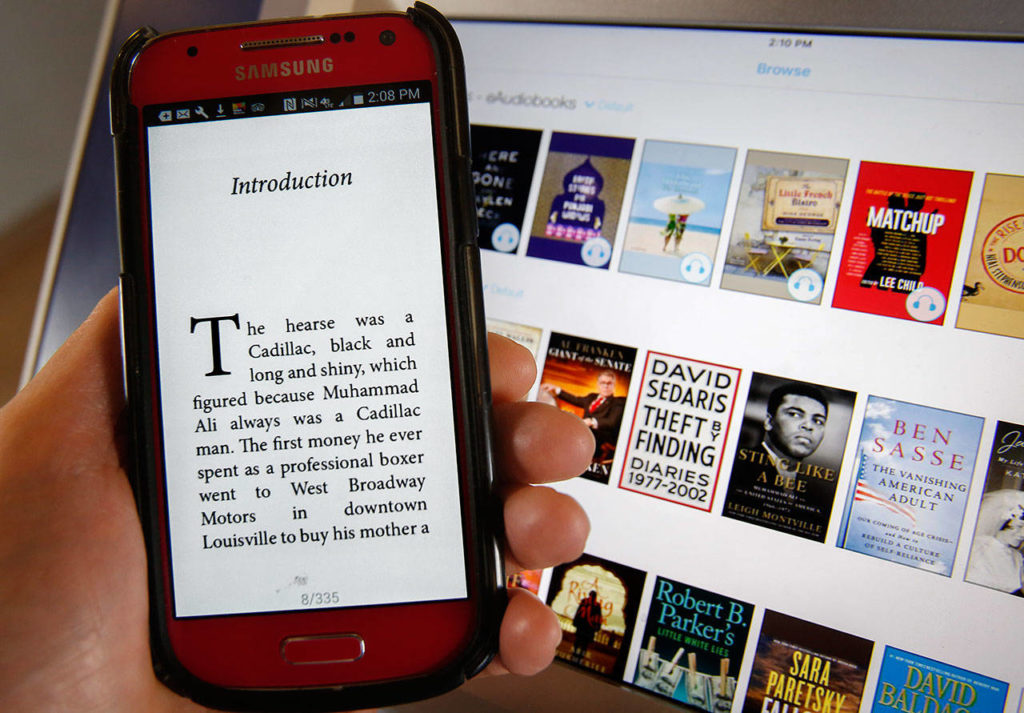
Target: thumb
71,407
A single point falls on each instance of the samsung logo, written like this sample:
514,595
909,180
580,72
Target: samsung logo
293,68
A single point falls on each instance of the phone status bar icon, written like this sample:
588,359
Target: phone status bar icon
289,104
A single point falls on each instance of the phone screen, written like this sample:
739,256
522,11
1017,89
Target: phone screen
305,388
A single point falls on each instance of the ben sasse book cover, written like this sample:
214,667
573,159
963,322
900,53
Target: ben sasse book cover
590,378
902,241
993,292
693,645
802,667
789,455
580,199
996,560
908,683
913,473
503,163
596,602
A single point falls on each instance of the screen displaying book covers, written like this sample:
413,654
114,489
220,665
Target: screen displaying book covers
818,280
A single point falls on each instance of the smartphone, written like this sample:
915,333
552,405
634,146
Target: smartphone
305,360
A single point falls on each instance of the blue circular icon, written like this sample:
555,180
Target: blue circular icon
505,237
805,285
596,252
695,267
926,304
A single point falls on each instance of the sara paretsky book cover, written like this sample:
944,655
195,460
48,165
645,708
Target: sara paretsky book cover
913,472
801,666
580,198
902,241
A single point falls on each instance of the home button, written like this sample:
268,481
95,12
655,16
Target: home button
322,648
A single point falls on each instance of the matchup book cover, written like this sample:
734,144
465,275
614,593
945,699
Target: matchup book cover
789,456
786,218
996,560
590,379
693,645
913,473
503,163
680,426
908,683
678,206
902,241
596,602
993,292
800,666
580,198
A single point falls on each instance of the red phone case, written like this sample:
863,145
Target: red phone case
416,631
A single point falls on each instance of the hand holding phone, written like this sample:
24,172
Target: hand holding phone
73,599
305,360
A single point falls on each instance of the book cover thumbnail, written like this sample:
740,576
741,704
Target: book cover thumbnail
910,683
678,206
800,666
523,334
789,456
580,198
902,241
913,473
693,645
996,559
993,294
679,429
503,163
596,602
786,218
590,379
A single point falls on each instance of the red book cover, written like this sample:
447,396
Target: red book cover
901,241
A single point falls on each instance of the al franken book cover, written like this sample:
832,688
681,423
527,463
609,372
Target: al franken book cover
580,198
993,293
678,206
680,426
503,163
786,218
902,241
693,645
908,683
789,456
590,379
596,602
913,473
801,667
996,561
